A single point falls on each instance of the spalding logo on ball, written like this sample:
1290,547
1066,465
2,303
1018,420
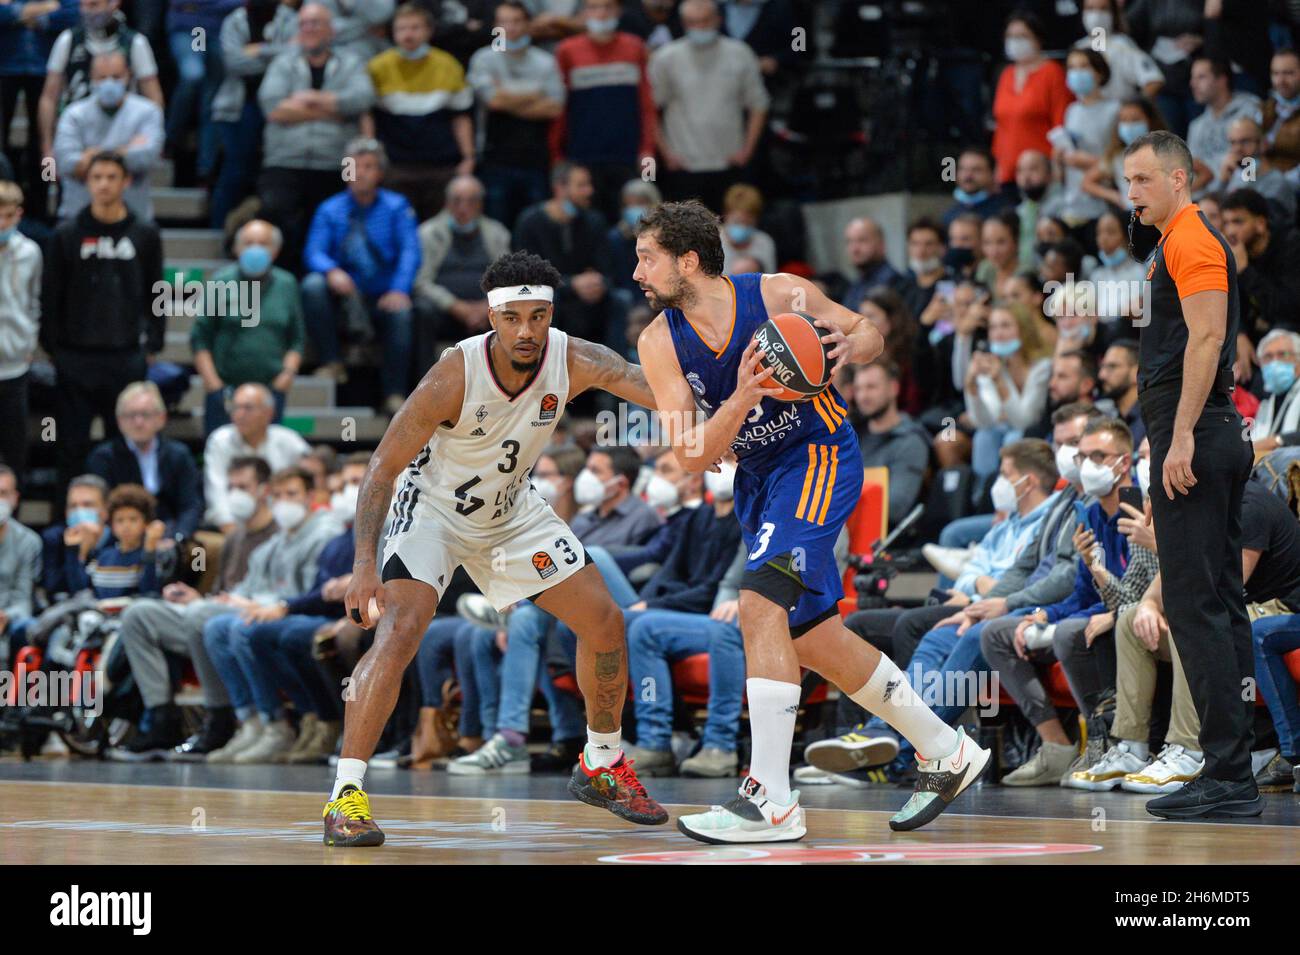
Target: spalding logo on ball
794,350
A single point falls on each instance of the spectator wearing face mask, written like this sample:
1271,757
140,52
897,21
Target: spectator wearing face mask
926,245
741,207
85,519
174,624
1277,422
112,119
1133,71
638,197
1037,190
281,568
103,29
962,257
1030,99
977,188
673,492
1137,116
229,350
613,515
1078,143
1118,276
124,565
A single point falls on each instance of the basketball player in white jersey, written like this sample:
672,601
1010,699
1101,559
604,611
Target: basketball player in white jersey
463,446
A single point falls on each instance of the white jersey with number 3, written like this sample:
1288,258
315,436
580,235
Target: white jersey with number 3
473,473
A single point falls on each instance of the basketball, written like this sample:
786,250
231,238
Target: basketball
796,354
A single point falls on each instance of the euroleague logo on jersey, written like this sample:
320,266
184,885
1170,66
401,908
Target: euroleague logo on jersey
544,565
547,409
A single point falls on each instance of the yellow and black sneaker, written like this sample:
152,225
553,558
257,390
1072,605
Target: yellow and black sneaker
348,822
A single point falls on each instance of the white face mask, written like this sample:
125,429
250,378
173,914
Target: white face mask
1066,465
1004,494
547,489
6,511
1144,476
1097,20
661,493
722,484
344,502
589,489
1019,48
242,504
1097,479
288,514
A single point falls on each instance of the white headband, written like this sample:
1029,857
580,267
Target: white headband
499,296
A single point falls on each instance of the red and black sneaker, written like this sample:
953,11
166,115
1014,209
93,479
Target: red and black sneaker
617,789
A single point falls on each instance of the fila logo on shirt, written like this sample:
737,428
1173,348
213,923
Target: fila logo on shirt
103,247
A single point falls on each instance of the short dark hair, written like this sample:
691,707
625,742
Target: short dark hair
974,149
561,171
1165,145
682,227
1220,68
887,365
1113,426
1008,218
518,5
1247,199
294,473
133,496
519,268
925,222
1073,410
1033,456
624,460
413,10
1129,345
109,155
1031,22
260,468
1071,251
1087,362
356,457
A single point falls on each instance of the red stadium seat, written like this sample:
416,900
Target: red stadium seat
868,524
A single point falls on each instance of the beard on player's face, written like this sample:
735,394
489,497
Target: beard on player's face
678,293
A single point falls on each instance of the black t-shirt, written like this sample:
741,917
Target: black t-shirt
1191,257
1268,526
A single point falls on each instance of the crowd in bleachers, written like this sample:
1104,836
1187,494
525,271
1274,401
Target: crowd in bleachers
367,161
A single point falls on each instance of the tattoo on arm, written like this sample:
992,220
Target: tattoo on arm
372,509
602,367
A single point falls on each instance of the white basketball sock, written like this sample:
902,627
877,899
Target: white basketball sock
351,772
773,706
887,694
603,749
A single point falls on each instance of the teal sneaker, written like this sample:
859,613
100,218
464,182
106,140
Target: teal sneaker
750,817
939,782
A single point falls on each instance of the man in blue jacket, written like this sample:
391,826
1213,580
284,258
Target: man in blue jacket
362,253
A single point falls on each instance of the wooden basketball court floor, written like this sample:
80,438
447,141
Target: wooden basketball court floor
61,812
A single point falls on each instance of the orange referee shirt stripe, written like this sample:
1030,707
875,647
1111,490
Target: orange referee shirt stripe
1195,260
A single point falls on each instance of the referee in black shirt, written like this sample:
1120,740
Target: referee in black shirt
1200,462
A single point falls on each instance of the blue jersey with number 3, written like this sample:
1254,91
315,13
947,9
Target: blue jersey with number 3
800,469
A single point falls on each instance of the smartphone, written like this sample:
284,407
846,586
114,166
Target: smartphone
1080,513
1132,496
944,289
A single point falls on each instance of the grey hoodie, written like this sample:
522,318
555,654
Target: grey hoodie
317,144
285,565
20,304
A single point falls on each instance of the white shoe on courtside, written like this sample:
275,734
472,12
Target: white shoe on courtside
1108,772
750,817
1172,770
940,781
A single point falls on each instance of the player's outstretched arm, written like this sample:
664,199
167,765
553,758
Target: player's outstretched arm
595,366
436,400
856,340
698,444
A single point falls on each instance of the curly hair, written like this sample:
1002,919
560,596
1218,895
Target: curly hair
682,227
132,496
519,268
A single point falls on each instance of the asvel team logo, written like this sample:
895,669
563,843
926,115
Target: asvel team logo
882,852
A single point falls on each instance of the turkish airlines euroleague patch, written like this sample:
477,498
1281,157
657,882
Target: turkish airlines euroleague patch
550,404
545,566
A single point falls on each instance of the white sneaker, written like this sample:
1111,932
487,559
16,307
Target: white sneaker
948,561
1109,771
940,781
750,817
1172,770
244,737
812,776
496,756
856,749
277,739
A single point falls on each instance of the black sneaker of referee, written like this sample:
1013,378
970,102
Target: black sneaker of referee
1204,797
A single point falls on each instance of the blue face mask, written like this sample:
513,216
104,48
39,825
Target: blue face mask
464,228
1131,131
7,234
1005,349
570,209
632,215
701,37
83,515
1081,82
514,46
602,27
1283,101
110,92
1112,259
739,234
419,53
255,260
1279,376
969,198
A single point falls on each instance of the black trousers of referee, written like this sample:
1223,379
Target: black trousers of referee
1198,536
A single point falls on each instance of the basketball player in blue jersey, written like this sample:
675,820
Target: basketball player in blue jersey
799,477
